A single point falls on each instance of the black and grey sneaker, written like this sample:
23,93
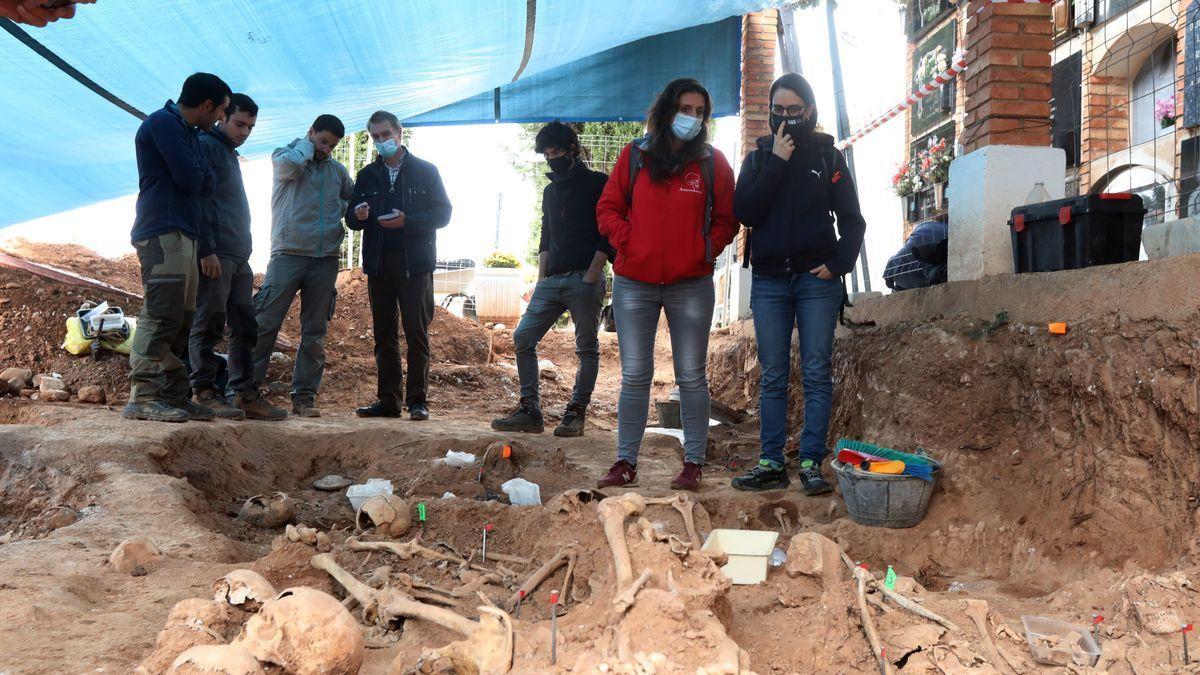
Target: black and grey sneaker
418,412
572,421
765,475
811,480
154,411
526,418
303,407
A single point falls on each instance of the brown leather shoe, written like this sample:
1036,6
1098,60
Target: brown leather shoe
209,399
622,474
258,408
688,479
304,408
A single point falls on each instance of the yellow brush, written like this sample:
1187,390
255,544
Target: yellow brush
894,467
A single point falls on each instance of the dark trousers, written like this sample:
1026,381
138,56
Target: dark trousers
156,358
551,297
226,299
315,279
398,297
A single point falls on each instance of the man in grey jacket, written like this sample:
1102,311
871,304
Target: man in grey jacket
309,197
226,280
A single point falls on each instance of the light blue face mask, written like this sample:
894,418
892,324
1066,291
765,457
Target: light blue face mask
686,127
387,149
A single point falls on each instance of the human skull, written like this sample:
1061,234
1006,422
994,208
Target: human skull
220,659
133,553
268,511
306,632
389,515
245,588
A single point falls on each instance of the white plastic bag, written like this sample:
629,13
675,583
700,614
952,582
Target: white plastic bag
522,493
374,487
458,459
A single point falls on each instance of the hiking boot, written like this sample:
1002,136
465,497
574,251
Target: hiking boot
811,480
572,421
258,408
154,411
195,411
305,408
209,399
526,418
380,408
688,479
418,412
622,474
764,476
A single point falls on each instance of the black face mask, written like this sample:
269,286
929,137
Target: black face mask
796,127
561,165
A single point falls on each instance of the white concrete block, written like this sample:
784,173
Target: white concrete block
1172,238
985,186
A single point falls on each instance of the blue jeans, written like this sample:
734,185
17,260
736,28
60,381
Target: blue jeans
551,297
781,304
689,308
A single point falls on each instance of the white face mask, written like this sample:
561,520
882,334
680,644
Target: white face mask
686,127
387,149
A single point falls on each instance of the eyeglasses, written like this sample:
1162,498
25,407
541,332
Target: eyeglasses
790,111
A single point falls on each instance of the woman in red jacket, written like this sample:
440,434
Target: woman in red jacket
667,209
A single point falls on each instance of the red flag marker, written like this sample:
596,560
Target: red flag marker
553,627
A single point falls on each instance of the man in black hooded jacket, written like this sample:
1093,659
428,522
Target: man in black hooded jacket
792,189
400,202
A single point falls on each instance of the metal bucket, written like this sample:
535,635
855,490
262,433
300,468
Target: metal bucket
883,500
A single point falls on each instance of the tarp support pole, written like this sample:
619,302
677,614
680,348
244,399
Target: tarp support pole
41,50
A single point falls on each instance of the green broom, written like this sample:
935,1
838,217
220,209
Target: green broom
917,466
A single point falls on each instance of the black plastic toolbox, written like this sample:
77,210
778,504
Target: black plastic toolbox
1083,231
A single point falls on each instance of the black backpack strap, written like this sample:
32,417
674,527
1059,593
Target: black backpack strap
707,169
636,159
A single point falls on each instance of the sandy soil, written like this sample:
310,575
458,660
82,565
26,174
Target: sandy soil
1069,489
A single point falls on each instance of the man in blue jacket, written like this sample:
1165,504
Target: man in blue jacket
227,282
401,204
173,178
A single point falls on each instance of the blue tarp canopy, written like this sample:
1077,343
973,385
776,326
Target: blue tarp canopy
428,61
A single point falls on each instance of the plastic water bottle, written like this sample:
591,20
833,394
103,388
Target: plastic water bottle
1038,194
778,557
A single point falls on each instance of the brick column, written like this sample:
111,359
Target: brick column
1008,76
760,35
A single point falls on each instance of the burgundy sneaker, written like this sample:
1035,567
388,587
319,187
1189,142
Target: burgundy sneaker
688,479
622,474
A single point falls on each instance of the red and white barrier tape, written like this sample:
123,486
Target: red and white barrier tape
957,65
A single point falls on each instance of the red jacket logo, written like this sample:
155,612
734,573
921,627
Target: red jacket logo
691,182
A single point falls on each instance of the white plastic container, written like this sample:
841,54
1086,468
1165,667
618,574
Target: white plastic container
498,294
374,487
749,553
1041,633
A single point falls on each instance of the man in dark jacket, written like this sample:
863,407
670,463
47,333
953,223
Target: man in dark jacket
789,192
400,202
227,282
572,255
173,179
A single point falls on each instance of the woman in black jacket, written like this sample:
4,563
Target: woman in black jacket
790,189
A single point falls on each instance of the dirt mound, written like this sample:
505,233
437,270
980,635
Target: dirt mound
124,272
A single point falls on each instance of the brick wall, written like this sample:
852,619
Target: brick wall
760,35
1008,76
